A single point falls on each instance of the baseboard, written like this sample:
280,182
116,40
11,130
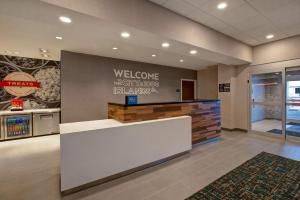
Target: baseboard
234,129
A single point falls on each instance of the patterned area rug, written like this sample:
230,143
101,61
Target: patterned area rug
266,176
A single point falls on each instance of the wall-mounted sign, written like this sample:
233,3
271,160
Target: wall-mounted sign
17,104
37,81
19,84
224,87
130,82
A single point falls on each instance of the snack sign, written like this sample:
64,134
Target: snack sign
19,84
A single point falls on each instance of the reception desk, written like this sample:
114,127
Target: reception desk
206,120
94,152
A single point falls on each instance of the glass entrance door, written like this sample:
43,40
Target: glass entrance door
292,124
266,103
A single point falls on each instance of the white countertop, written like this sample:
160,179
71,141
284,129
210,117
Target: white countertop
83,126
88,125
47,110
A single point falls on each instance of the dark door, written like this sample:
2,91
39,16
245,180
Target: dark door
188,90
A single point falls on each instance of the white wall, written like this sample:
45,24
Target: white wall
241,98
278,51
274,56
207,80
226,74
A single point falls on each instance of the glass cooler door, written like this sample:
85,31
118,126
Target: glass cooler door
17,126
1,129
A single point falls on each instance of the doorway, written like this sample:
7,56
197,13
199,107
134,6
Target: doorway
292,104
188,89
266,103
275,103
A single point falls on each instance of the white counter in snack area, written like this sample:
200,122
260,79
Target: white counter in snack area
96,151
47,110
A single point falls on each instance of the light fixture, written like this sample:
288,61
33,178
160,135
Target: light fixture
42,50
115,48
59,37
165,44
222,5
125,34
193,52
181,60
16,52
7,51
45,55
65,19
153,55
270,36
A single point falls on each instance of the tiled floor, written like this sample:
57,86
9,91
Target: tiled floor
29,169
270,124
266,125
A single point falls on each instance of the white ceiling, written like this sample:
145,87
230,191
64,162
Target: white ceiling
246,20
29,25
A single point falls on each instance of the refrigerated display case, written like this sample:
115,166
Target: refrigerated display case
28,123
17,126
1,129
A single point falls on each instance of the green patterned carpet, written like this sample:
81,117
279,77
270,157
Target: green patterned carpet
266,176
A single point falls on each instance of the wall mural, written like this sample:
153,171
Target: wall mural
36,81
131,82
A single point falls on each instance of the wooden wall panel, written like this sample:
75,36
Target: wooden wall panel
206,120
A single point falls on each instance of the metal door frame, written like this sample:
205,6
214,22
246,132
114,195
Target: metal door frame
296,139
283,100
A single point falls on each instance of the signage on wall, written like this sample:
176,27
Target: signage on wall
131,100
224,87
36,81
19,84
130,82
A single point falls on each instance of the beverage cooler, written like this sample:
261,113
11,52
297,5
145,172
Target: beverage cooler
16,126
1,129
29,123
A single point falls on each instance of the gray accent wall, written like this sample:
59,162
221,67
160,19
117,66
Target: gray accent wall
87,84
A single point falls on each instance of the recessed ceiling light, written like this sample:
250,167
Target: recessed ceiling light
115,48
45,55
125,34
193,52
43,50
270,36
65,19
222,5
181,60
165,44
58,37
16,52
153,55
